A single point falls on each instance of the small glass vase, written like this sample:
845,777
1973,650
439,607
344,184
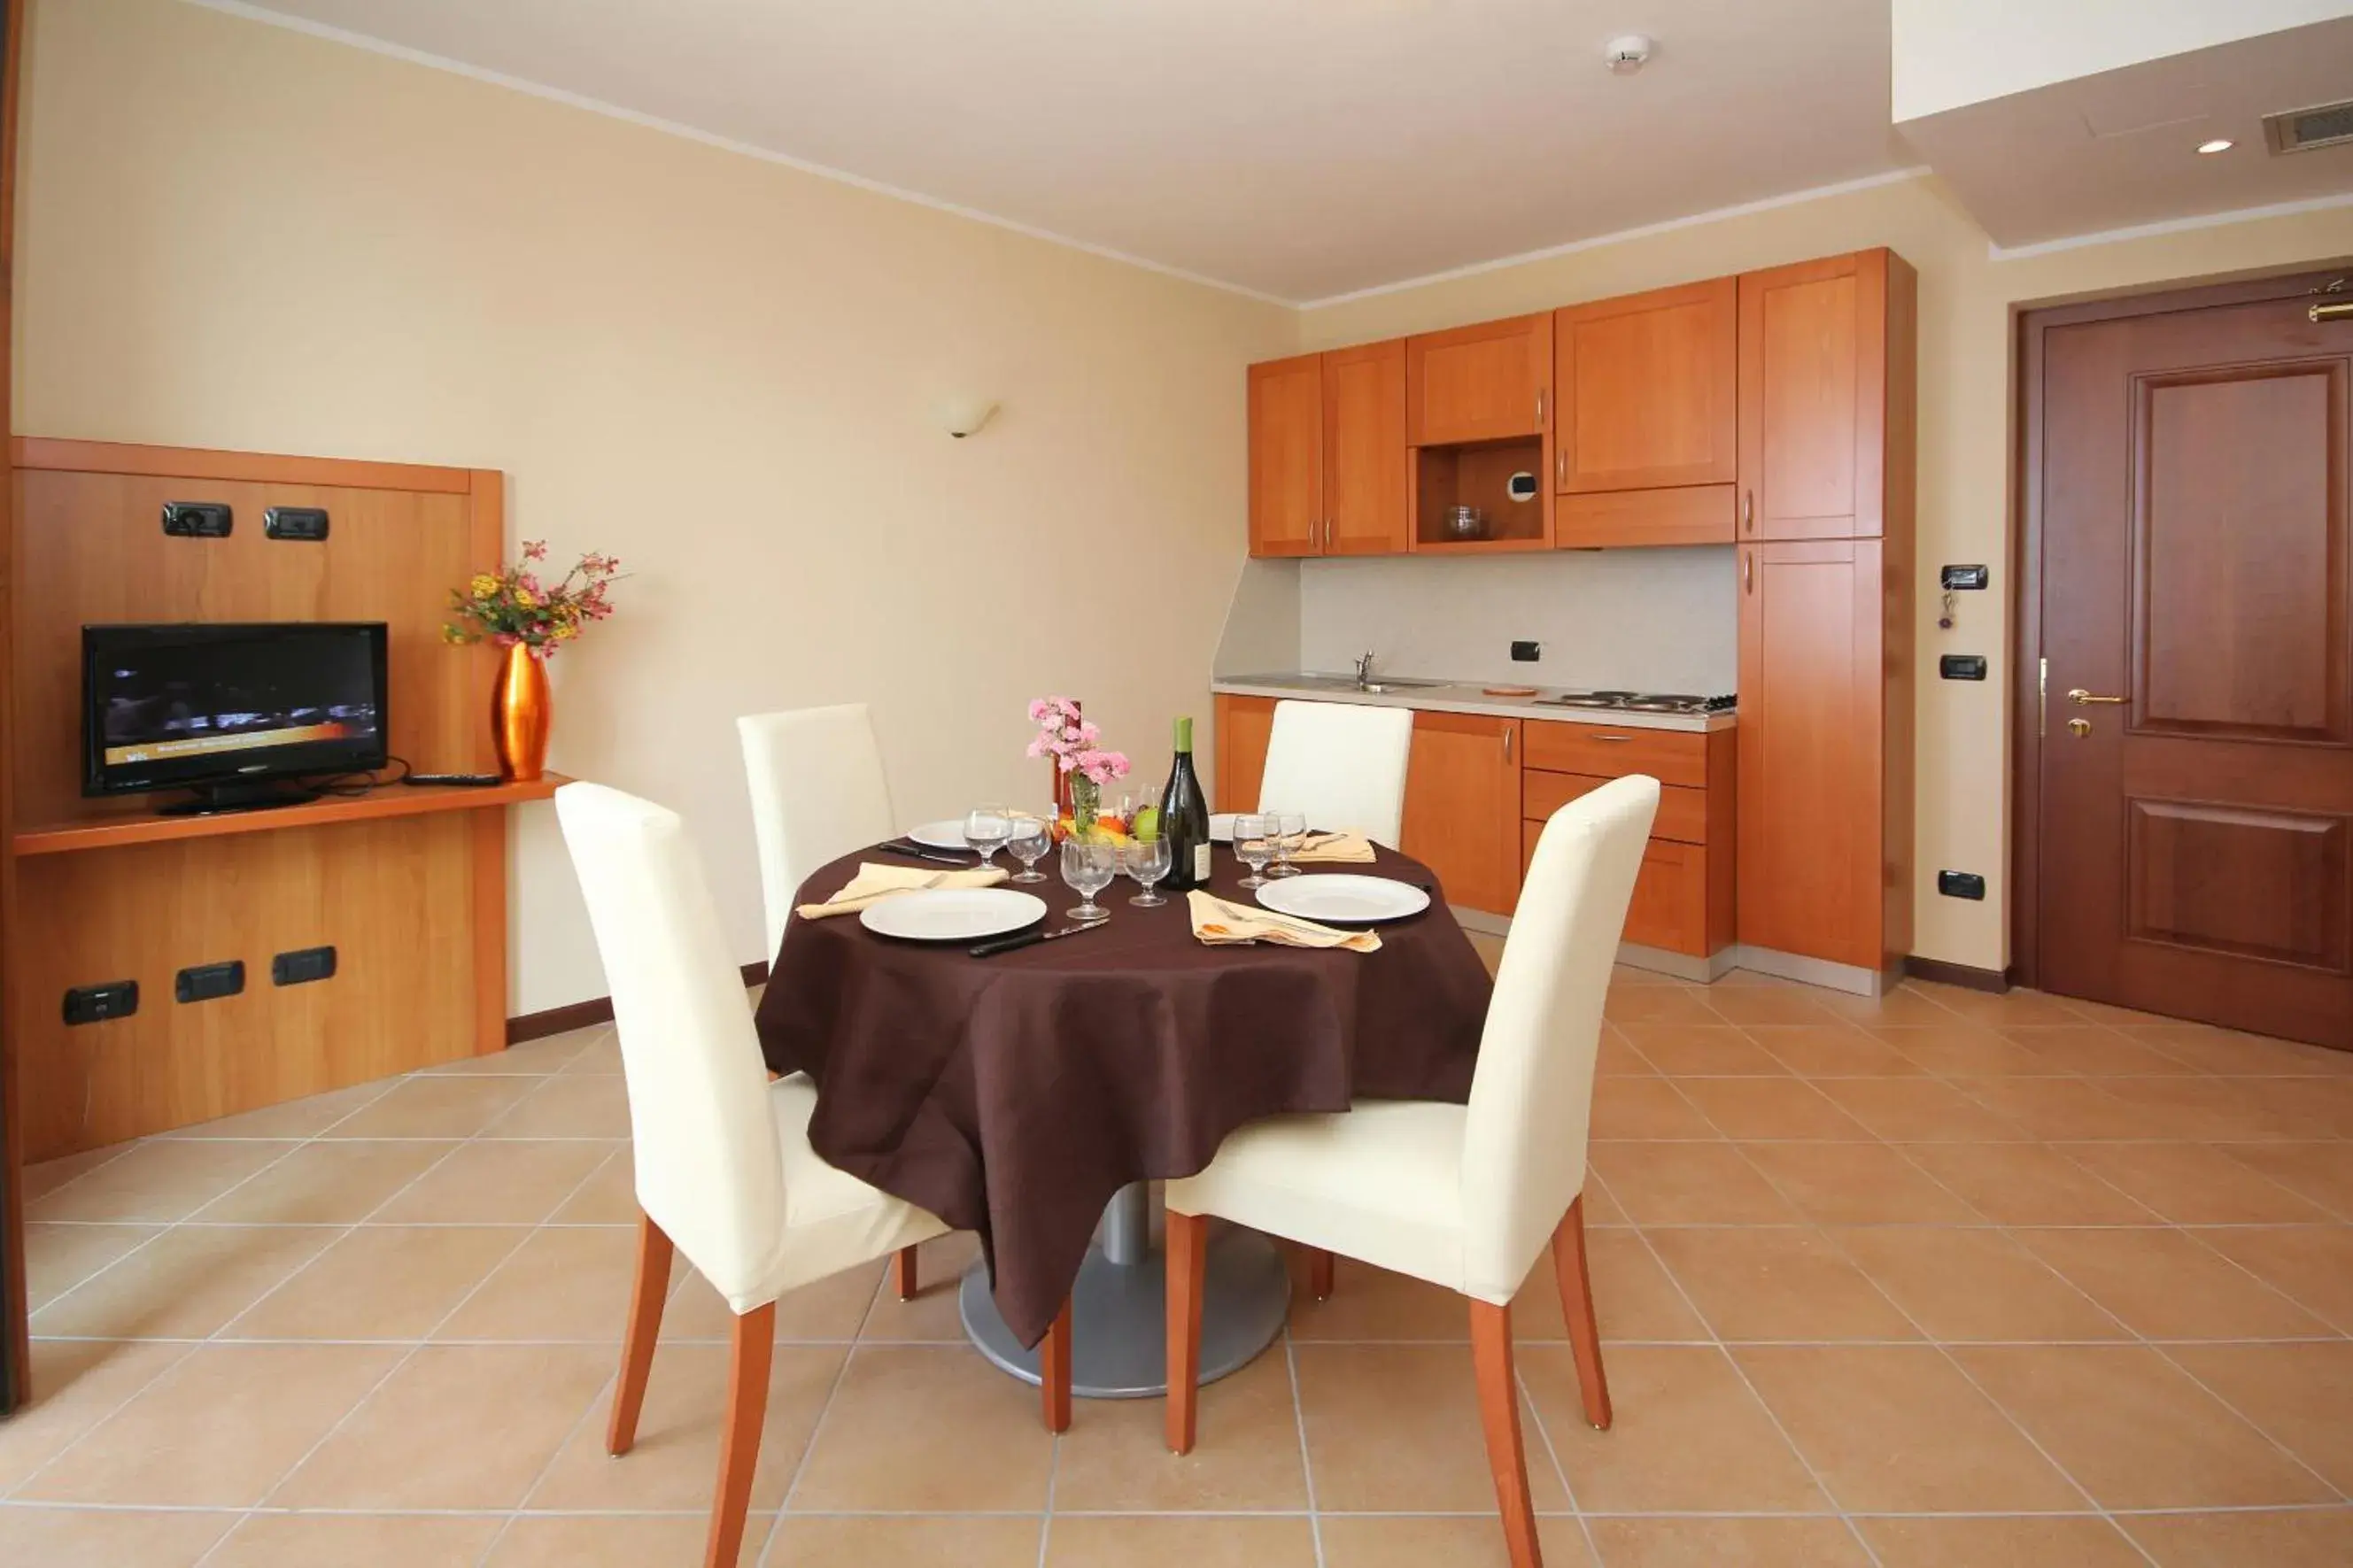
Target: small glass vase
1086,804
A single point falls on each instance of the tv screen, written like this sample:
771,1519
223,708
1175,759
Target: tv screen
167,707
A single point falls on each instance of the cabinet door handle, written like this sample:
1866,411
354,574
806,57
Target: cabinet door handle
1560,469
1613,737
1749,571
1749,512
1540,407
1507,742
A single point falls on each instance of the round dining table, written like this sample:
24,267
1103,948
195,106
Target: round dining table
1031,1096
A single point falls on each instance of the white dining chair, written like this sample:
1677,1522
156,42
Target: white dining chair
819,791
1462,1196
1342,764
724,1171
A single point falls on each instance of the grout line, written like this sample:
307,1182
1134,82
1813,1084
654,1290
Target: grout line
426,1338
1544,1430
1306,1464
817,1427
30,1506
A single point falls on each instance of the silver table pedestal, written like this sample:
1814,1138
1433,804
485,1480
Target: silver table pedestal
1119,1308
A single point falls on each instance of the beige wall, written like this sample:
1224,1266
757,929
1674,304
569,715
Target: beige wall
723,370
1966,298
720,369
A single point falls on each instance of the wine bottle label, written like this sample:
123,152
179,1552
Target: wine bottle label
1201,863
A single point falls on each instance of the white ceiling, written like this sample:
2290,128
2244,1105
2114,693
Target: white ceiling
1299,149
2119,148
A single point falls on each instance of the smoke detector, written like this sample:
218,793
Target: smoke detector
1627,54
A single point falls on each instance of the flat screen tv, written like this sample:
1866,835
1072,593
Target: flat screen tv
239,713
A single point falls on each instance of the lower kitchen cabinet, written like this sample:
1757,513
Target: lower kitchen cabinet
1462,798
1683,894
1462,794
1825,737
1244,723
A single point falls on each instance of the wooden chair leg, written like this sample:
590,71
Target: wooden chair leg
1188,1248
1499,1412
903,1274
1319,1273
1054,1371
753,1349
1576,1306
647,1294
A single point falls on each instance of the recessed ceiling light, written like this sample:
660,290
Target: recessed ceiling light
2219,144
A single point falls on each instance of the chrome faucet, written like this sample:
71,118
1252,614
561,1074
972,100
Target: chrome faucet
1364,668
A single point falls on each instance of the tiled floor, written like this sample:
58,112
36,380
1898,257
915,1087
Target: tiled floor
1941,1279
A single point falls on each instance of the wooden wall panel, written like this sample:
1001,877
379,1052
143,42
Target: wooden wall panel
396,899
94,544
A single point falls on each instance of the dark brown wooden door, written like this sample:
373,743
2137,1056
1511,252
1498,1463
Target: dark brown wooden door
2195,825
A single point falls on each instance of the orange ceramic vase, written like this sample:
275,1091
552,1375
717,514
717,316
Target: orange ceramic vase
521,708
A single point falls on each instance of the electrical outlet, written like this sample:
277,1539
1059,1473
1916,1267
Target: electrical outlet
302,967
97,1004
203,982
1962,666
1526,652
197,519
1960,884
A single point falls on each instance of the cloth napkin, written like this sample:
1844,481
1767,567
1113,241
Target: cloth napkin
1218,923
1345,848
875,882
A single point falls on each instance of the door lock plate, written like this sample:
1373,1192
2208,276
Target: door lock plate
2079,727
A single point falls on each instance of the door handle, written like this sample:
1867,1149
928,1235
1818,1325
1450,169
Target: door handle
1749,571
1749,512
2082,698
1540,407
1507,742
1560,469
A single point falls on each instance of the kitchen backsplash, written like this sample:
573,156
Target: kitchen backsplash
1653,620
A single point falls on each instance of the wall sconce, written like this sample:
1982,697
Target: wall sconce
963,417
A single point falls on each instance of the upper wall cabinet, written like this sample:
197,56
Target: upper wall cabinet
1826,394
1646,443
1286,456
1488,382
1328,473
1366,473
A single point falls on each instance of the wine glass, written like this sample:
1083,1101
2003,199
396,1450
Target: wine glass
1254,843
985,829
1030,838
1290,835
1148,860
1088,866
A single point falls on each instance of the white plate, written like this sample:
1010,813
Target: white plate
1339,899
952,914
1221,826
947,834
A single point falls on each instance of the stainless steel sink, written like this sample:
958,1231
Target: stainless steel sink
1377,686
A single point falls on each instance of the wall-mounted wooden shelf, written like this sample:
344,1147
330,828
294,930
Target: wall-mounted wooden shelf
112,831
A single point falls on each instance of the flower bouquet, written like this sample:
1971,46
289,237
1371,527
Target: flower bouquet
1071,742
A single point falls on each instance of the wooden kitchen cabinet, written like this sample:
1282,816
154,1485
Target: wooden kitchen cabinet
1328,470
1286,456
1461,806
1244,725
1683,895
1827,398
1491,382
1462,794
1646,434
1366,484
1825,824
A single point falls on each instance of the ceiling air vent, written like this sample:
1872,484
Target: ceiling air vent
2300,129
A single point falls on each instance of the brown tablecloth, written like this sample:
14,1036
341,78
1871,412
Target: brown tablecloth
1014,1095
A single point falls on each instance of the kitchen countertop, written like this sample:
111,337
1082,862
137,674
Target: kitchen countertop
1465,696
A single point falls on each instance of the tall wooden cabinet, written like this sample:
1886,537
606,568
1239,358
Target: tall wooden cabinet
1826,679
1327,453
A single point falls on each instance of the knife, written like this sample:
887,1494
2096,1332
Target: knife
1028,937
917,852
